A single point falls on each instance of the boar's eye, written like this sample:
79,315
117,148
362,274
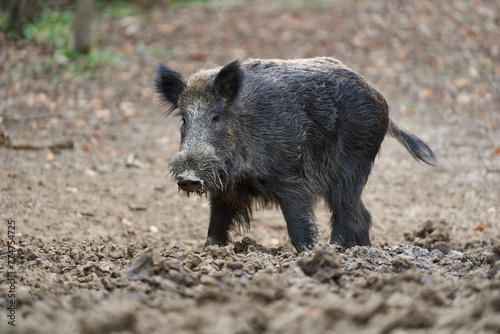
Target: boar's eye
215,119
182,115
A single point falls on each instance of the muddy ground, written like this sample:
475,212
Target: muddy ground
106,244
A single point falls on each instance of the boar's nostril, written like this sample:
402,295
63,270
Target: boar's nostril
190,185
189,182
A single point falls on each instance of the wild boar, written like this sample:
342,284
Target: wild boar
284,133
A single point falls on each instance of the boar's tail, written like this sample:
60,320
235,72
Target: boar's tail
416,146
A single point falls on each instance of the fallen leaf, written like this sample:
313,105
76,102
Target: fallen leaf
87,147
431,62
408,110
480,227
377,42
107,92
473,72
461,83
53,121
273,242
128,222
50,157
402,56
126,110
289,19
13,175
128,48
43,99
464,98
90,173
425,94
107,149
167,29
313,311
80,122
95,103
36,124
480,89
132,161
490,122
102,113
73,190
496,151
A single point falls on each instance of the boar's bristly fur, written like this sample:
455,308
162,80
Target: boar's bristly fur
283,132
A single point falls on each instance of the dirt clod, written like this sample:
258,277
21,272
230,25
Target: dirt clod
324,265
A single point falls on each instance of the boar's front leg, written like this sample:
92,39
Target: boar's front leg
226,210
302,229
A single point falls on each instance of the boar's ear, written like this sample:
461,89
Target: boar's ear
169,84
228,81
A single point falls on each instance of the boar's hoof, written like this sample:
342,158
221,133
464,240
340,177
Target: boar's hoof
210,242
302,248
188,181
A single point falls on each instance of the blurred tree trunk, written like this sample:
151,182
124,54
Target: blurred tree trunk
22,12
83,22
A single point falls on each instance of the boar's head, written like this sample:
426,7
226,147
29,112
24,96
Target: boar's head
206,107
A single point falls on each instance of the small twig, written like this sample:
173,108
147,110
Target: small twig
23,118
60,144
492,170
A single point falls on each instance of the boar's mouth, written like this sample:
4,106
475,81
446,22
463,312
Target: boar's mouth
190,183
198,178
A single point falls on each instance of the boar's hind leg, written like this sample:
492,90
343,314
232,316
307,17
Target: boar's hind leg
351,221
302,229
225,212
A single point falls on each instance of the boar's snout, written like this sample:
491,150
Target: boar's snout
189,182
198,171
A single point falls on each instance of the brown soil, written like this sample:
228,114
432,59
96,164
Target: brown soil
106,244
